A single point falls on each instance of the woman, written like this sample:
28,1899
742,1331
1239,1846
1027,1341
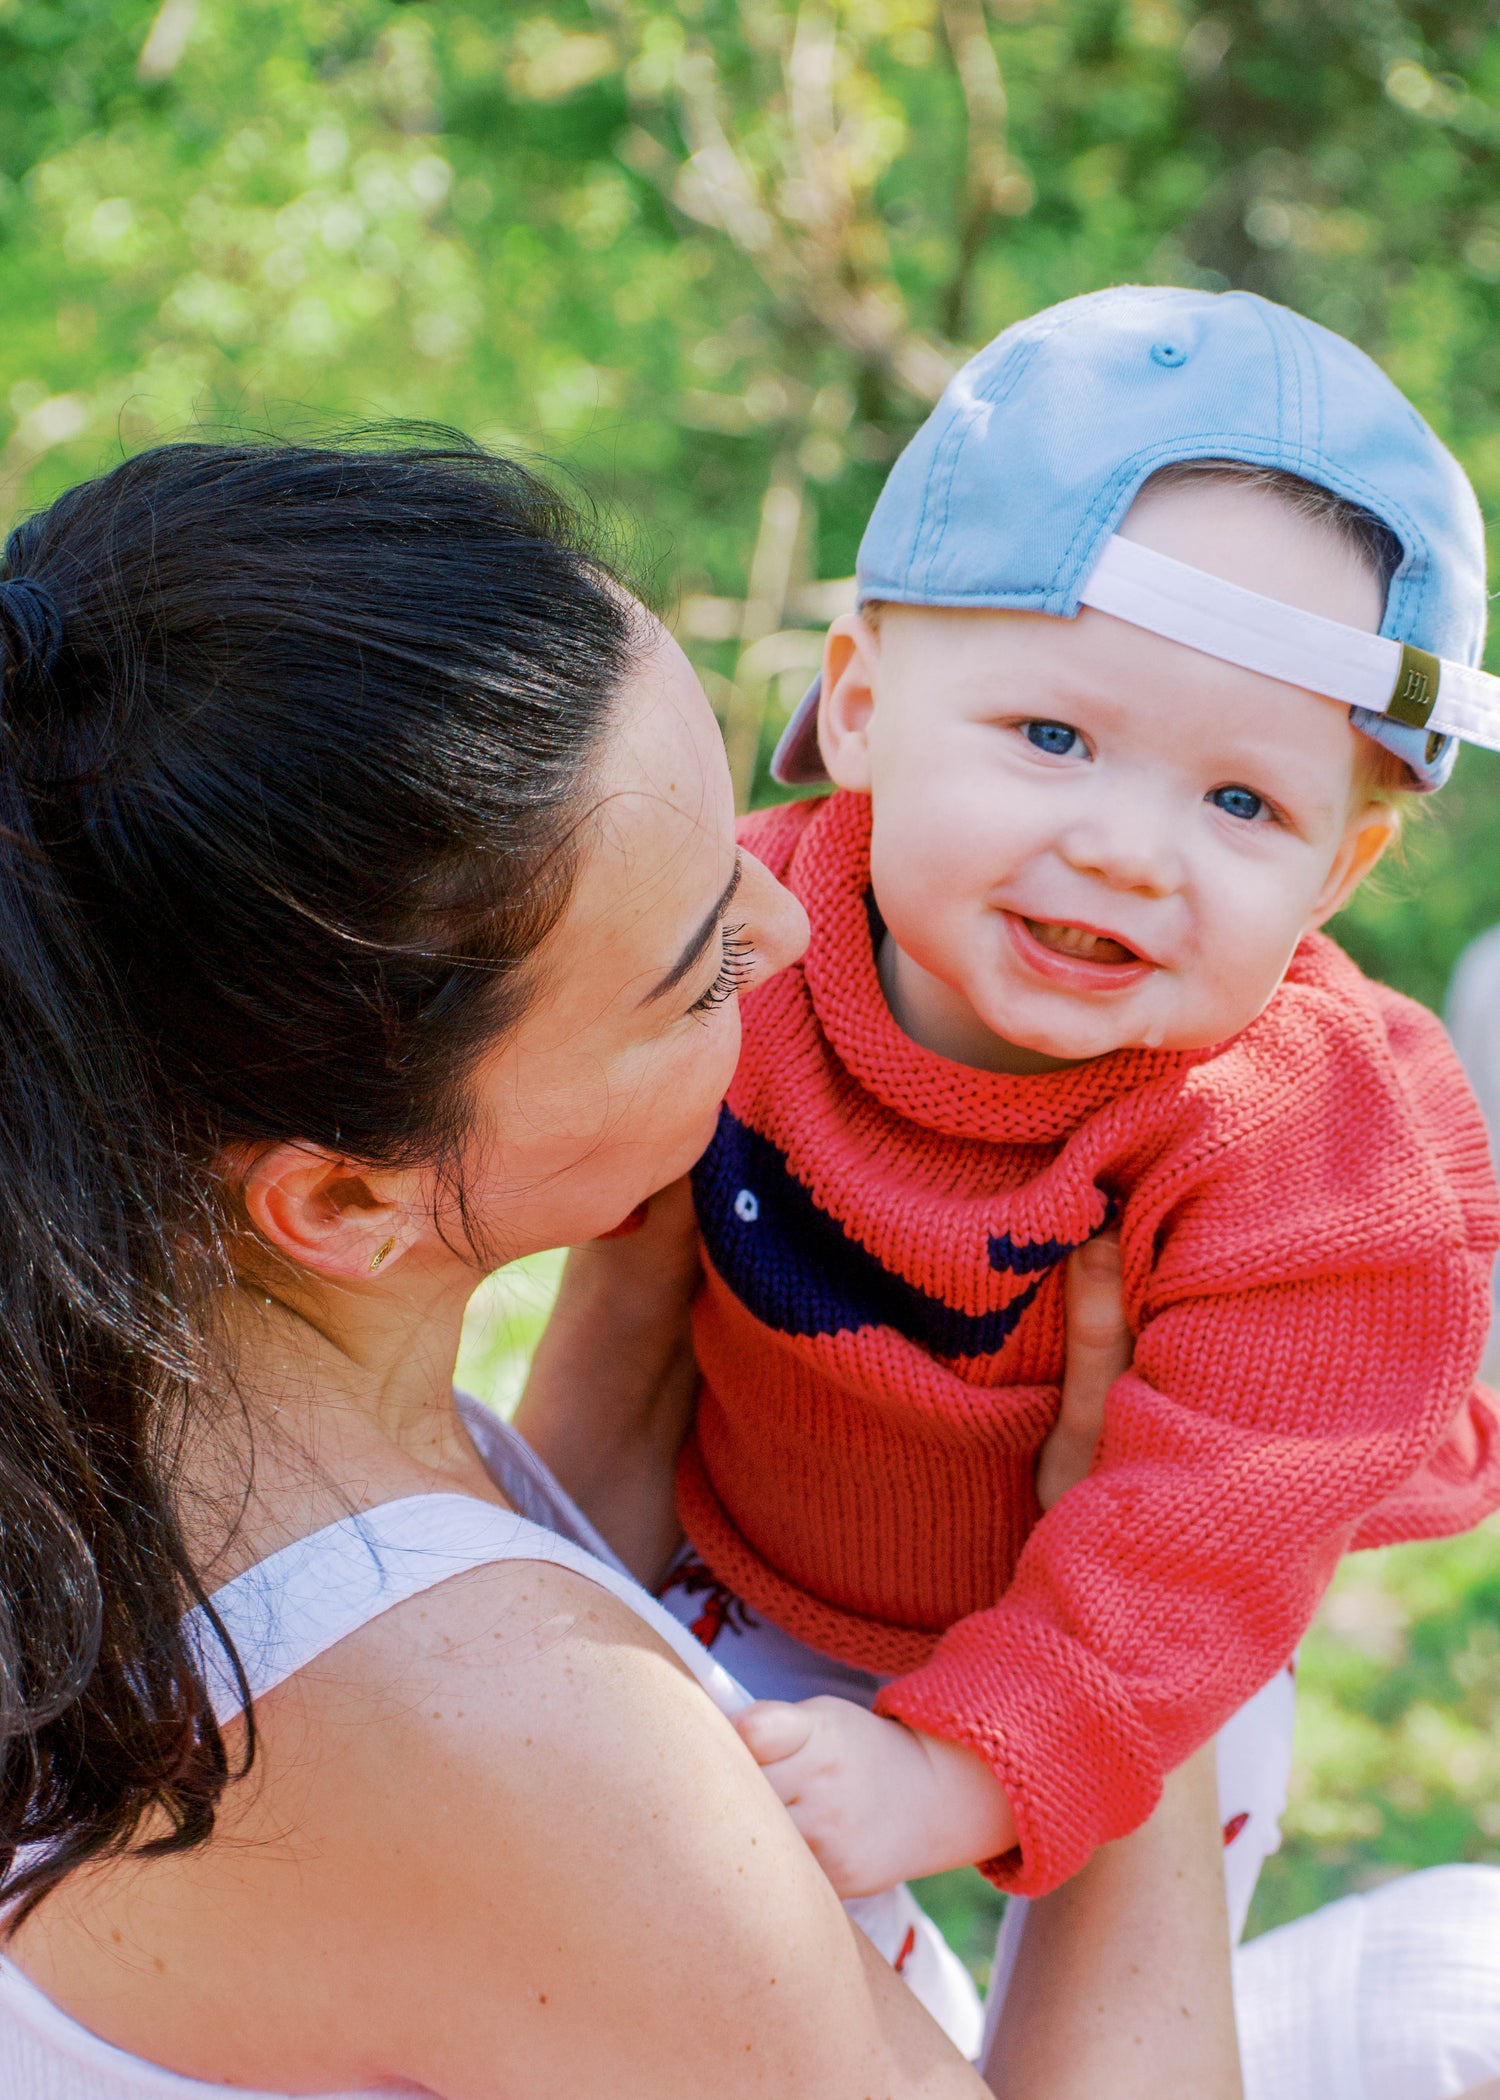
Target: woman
371,914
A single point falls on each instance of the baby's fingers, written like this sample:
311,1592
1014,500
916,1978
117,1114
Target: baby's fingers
772,1730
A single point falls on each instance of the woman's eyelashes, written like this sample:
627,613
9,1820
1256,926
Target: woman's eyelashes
736,961
1057,739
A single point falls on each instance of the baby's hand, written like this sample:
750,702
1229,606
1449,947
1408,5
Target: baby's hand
876,1802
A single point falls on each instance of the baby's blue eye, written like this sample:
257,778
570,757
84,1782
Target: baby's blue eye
1238,802
1055,737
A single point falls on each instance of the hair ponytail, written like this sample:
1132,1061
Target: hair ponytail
94,1680
292,741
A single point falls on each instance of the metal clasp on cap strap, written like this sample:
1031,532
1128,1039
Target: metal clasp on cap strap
1416,690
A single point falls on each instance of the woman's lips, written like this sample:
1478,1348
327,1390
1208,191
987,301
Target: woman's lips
1075,956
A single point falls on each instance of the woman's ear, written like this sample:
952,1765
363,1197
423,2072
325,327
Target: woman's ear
1376,827
850,655
326,1213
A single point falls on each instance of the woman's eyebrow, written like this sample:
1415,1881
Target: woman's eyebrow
692,953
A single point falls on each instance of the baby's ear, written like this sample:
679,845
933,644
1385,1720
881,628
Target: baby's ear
1370,831
850,654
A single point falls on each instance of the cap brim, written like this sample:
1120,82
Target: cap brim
797,761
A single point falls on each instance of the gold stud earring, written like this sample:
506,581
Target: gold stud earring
381,1252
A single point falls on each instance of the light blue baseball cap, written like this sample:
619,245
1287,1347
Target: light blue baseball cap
1011,492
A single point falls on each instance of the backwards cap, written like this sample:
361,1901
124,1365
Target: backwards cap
1010,496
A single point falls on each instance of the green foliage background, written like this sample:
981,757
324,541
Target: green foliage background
715,260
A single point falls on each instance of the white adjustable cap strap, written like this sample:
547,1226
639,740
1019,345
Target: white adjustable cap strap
1391,678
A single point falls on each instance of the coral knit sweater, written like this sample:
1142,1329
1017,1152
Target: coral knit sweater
1309,1221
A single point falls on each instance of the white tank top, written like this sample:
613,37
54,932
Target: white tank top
290,1608
281,1615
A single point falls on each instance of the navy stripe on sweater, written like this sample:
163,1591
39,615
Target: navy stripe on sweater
797,1271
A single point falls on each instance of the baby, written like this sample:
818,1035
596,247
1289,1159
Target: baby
1152,614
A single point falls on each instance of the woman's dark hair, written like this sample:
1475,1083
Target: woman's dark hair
294,741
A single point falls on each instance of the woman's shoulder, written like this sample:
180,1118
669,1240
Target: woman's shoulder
538,1627
520,1710
502,1828
458,1791
492,1629
521,1786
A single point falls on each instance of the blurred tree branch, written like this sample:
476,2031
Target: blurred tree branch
166,40
805,222
784,162
993,183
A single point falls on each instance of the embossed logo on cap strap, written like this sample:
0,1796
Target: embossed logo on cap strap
1416,690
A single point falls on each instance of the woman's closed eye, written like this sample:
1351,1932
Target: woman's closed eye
736,962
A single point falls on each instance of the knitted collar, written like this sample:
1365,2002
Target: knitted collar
830,872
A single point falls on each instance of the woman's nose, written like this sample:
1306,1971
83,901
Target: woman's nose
776,925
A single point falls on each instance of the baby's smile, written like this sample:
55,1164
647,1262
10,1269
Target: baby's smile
1079,960
1081,941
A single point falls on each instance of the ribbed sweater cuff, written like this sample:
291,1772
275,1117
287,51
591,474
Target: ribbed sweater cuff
1076,1762
1457,1488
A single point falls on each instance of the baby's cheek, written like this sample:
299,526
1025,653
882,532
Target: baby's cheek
924,871
1243,962
936,934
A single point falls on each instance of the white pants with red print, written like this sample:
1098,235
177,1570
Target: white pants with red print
1254,1752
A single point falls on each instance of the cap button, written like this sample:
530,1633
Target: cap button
1168,354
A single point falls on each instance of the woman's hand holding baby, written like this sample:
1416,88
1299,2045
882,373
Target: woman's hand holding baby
876,1802
1099,1346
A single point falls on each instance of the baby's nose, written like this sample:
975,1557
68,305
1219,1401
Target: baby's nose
1128,850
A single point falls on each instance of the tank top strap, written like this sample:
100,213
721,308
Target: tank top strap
297,1603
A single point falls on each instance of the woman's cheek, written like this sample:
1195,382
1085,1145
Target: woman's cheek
697,1078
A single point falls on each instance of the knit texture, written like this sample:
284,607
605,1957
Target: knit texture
1308,1222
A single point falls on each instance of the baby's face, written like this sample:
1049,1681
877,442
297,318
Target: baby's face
1087,837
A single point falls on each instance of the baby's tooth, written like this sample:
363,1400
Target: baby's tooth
1072,940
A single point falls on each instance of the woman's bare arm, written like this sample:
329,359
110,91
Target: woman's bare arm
1122,1980
611,1389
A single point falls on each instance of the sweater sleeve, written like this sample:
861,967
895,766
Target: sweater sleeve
1163,1591
1310,1306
